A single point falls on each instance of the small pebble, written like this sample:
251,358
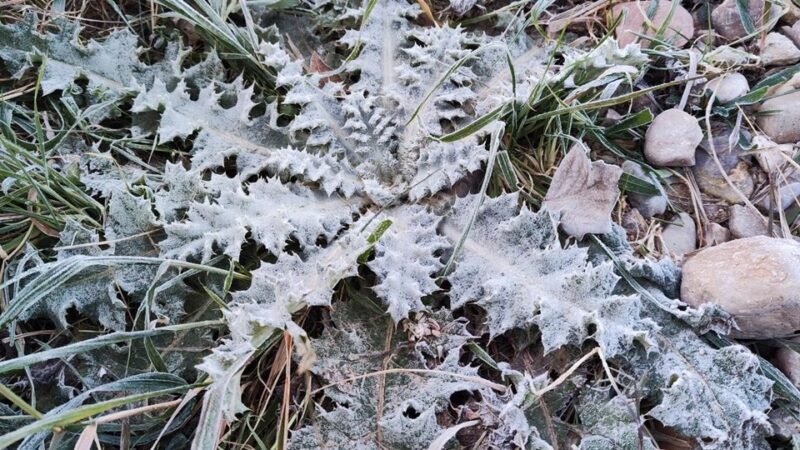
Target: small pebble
680,237
779,50
793,33
716,234
726,20
756,280
780,114
789,195
728,87
788,361
648,206
771,156
672,138
744,222
710,179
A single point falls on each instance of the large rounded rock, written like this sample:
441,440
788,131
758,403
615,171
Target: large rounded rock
756,280
672,139
679,30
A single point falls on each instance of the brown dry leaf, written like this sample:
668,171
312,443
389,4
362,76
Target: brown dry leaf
317,65
584,192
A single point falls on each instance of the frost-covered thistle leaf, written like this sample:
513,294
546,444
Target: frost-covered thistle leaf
177,190
513,266
716,397
270,212
584,192
307,280
587,66
350,351
277,291
611,422
111,66
95,292
251,325
405,259
366,125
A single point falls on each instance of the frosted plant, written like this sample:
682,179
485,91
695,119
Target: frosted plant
96,291
272,212
513,266
112,66
350,189
716,396
349,357
611,421
413,83
410,242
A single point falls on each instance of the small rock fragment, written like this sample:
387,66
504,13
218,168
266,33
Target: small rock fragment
728,87
680,237
791,14
710,179
744,222
789,195
756,280
728,23
648,206
793,33
780,115
725,55
724,139
634,224
771,156
679,30
788,361
672,139
779,50
716,234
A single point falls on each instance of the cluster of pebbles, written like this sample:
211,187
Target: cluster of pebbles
736,247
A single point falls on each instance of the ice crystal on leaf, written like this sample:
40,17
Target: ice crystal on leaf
271,212
716,396
351,356
513,266
111,67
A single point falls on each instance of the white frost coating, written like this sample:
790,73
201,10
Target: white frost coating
299,282
348,349
404,259
582,64
514,267
611,421
111,67
271,212
716,396
400,67
222,132
178,189
93,291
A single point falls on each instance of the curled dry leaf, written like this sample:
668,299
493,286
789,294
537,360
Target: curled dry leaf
584,192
